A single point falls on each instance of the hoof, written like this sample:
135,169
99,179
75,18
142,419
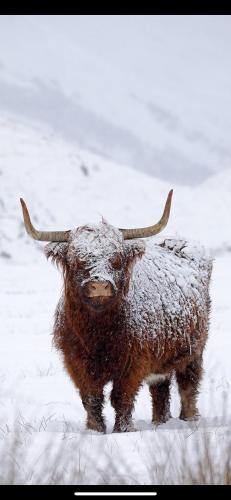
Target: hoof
190,417
126,427
162,420
93,425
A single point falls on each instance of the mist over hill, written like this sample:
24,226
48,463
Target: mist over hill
152,92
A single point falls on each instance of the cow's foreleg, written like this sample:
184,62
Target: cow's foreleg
188,382
122,399
93,404
91,394
160,393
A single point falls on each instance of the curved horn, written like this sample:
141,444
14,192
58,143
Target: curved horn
144,232
41,235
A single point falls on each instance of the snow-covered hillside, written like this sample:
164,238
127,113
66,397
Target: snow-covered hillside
149,91
66,186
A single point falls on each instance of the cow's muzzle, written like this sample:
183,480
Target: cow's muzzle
98,293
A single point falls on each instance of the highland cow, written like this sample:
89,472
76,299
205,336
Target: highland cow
130,313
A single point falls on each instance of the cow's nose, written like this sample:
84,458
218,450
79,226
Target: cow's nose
99,289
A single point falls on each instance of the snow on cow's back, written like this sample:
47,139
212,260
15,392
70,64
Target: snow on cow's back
169,288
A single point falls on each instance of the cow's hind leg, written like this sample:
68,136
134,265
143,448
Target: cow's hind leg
160,393
93,404
188,382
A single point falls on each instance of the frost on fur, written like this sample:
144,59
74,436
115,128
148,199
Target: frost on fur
131,310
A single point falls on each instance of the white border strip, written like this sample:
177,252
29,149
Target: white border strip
115,493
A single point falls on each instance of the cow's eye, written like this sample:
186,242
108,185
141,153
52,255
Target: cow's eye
81,263
116,262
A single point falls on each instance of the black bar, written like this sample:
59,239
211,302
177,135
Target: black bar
74,492
171,7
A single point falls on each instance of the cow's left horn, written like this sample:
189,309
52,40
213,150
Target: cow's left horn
41,235
144,232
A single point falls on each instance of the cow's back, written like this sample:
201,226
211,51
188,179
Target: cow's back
168,296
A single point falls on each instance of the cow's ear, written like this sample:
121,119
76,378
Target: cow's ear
135,248
57,252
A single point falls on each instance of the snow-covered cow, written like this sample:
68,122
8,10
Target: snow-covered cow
130,313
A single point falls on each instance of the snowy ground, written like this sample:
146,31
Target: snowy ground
65,186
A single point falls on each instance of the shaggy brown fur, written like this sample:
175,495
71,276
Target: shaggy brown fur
98,347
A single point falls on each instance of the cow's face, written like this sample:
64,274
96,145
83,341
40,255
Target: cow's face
97,263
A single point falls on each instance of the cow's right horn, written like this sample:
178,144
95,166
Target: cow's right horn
144,232
41,235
